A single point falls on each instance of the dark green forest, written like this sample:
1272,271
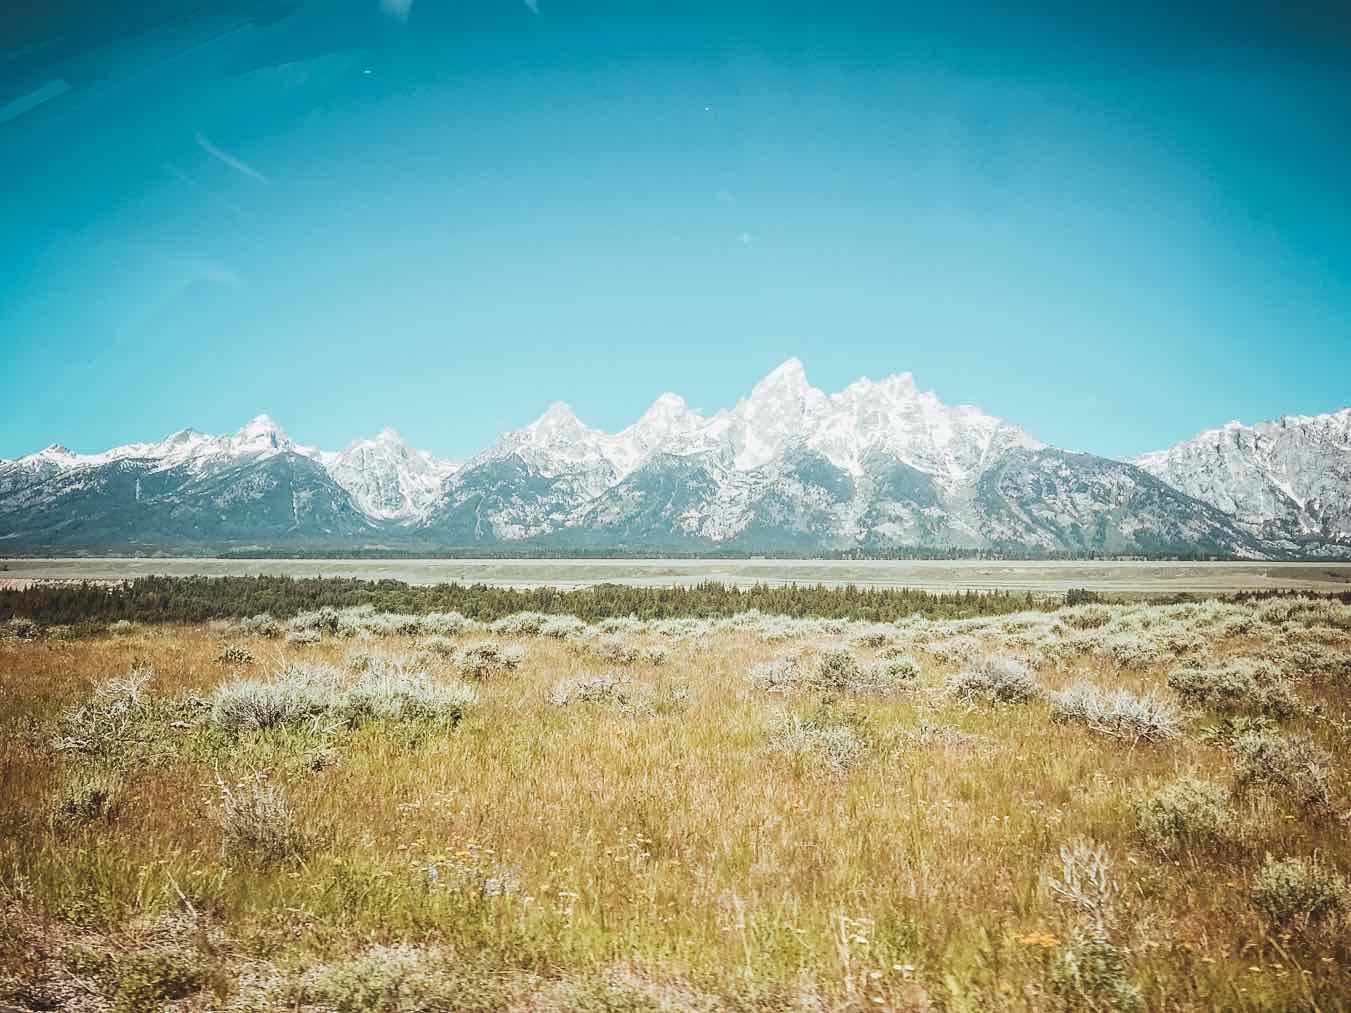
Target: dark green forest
197,599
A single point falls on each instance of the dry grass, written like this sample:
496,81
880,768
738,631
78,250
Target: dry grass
605,857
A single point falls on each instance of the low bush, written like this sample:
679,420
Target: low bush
959,649
153,979
257,822
834,670
298,692
382,690
1090,973
1291,766
446,624
1120,713
102,724
323,620
1133,649
483,659
611,688
390,693
22,628
995,680
1083,882
1240,685
358,659
394,979
1188,811
817,742
612,647
1299,893
562,627
873,636
519,624
261,625
235,654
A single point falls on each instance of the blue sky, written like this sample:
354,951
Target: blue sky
1113,230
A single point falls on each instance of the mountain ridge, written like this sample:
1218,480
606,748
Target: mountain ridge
878,464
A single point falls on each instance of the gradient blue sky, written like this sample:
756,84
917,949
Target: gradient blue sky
1114,230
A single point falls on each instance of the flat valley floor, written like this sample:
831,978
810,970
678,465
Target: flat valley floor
1104,807
1131,578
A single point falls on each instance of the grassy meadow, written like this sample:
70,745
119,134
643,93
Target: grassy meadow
1103,807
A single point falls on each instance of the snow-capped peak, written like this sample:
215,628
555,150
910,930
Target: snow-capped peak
558,420
262,432
55,452
888,416
387,478
789,378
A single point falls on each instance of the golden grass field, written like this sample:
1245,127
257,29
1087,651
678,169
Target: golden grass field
670,838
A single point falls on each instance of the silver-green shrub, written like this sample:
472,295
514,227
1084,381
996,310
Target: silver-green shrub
1119,713
1292,766
1187,811
995,680
1300,893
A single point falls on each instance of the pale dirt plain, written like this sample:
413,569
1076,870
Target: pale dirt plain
1049,577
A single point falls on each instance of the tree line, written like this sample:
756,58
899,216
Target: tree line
198,599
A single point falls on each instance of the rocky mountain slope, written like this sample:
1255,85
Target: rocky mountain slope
879,464
1286,481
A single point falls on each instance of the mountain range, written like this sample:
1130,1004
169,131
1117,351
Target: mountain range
879,465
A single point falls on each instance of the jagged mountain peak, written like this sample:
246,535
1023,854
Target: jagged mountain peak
879,463
790,374
666,405
262,430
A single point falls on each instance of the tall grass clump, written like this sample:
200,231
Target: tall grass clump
1119,713
89,796
817,743
257,822
995,680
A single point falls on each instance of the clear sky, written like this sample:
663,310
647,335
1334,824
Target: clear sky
1114,230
